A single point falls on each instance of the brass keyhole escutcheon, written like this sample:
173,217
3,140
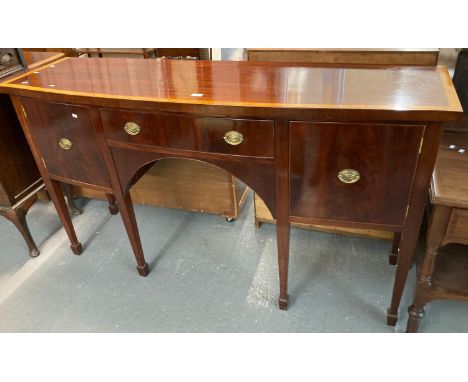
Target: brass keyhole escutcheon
65,143
132,128
348,175
233,138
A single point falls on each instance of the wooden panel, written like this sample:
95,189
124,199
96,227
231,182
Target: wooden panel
347,57
384,155
49,123
188,133
185,184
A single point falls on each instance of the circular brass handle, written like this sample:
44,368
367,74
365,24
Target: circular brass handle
233,138
132,128
65,143
348,175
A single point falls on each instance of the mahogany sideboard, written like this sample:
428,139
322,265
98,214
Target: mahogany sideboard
349,147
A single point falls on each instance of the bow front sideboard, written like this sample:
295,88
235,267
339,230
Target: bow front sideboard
344,147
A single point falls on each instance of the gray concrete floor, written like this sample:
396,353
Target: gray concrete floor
207,275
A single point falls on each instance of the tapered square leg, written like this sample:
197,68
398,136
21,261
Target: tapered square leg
77,248
283,303
393,257
128,217
410,233
282,208
143,270
58,198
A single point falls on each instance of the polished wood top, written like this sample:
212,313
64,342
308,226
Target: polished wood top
449,179
36,59
248,84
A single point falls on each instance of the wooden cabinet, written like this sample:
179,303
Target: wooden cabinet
18,172
20,179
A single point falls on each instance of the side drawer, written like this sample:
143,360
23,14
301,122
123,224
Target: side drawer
354,172
205,134
79,156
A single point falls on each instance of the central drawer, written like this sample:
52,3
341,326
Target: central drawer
244,137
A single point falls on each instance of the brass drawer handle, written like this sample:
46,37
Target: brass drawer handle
348,175
65,143
233,138
132,128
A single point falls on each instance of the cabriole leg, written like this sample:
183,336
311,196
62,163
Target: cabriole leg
18,218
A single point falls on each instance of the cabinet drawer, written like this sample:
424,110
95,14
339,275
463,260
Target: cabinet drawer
383,156
50,124
190,133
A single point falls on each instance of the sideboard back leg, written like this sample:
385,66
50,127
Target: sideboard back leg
393,257
55,191
68,190
282,237
113,209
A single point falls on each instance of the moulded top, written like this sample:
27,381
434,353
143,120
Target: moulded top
240,83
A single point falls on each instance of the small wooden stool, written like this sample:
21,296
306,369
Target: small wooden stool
445,276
